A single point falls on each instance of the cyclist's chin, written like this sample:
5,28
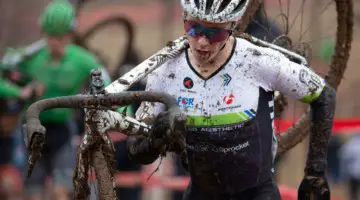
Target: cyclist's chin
204,58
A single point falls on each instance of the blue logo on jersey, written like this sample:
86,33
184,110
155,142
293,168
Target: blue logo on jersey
227,79
185,102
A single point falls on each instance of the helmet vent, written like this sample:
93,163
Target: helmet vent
223,5
197,4
240,6
209,4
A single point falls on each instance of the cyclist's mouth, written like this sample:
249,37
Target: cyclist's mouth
202,53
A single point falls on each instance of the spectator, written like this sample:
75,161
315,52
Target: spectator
350,165
335,144
61,68
10,180
263,28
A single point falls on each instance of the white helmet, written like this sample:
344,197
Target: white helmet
216,11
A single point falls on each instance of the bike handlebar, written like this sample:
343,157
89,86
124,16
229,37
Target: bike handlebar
35,132
107,101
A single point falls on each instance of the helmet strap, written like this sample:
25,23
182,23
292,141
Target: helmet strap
223,46
225,43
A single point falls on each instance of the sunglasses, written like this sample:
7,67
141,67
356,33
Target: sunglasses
213,34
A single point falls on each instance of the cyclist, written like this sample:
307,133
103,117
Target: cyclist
62,68
226,85
262,28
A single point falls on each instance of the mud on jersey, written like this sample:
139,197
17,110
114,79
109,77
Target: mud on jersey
230,140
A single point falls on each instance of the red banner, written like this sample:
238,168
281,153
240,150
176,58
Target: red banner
341,126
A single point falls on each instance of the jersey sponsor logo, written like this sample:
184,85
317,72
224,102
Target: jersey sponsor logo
189,91
185,102
311,80
188,83
229,108
203,147
217,129
228,99
227,78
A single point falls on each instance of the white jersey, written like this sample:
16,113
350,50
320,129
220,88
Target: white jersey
231,94
234,102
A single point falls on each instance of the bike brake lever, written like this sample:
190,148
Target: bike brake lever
36,145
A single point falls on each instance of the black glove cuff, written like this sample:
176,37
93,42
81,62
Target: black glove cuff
315,168
155,144
314,188
140,150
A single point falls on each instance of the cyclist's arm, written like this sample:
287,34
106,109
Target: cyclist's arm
9,90
300,82
140,148
147,110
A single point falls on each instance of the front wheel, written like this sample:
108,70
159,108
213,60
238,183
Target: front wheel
321,31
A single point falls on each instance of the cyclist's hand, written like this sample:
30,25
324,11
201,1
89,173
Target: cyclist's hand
140,149
169,131
32,89
314,188
26,92
39,89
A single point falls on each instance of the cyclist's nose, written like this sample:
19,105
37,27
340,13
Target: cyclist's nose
203,41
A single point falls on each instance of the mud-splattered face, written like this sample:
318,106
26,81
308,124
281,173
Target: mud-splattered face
206,45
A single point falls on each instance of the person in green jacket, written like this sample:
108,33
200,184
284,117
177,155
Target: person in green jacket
61,68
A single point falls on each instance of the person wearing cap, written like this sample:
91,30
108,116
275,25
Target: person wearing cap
61,68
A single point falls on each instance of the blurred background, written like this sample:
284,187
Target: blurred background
152,24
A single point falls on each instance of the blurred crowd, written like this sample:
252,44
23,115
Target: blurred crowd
32,79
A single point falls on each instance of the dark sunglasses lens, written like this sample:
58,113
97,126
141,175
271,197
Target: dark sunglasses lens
192,28
212,34
218,35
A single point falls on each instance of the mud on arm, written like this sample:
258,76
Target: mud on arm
322,115
312,89
298,81
141,148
